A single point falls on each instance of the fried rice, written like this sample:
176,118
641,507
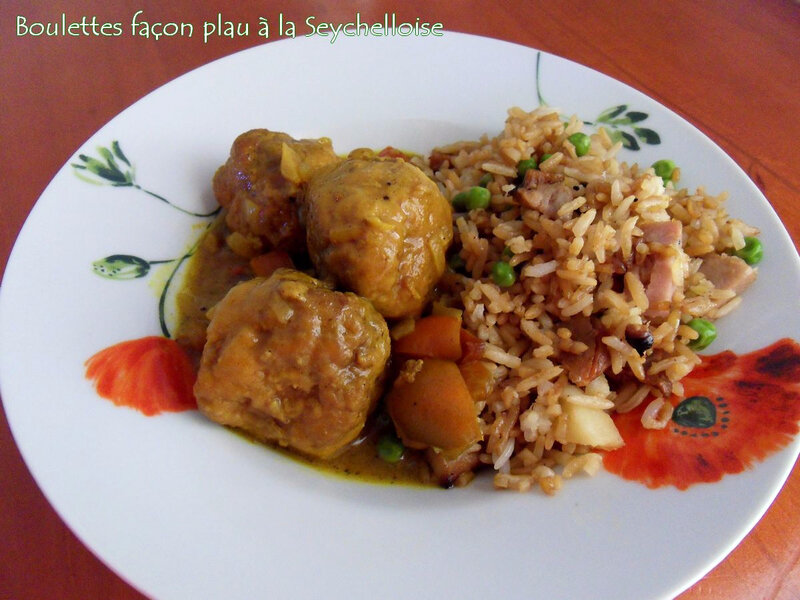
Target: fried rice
608,270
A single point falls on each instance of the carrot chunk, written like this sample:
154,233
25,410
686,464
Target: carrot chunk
471,347
435,336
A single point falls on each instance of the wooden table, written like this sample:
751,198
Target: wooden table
730,67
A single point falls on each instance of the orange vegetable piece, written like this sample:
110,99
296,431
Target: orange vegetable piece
390,152
479,377
447,471
265,264
471,347
431,406
436,336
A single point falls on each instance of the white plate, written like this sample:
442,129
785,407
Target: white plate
183,509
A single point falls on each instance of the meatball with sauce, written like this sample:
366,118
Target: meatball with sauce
260,185
379,227
290,361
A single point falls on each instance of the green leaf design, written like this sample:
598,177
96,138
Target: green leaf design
630,118
635,116
106,153
118,152
648,136
611,113
628,141
112,162
107,171
121,266
620,124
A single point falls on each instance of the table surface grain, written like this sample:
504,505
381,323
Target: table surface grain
732,68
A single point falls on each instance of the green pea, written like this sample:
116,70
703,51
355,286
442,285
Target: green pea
474,197
485,180
390,448
503,274
478,197
459,200
753,251
545,156
507,253
526,165
664,168
456,263
707,333
581,141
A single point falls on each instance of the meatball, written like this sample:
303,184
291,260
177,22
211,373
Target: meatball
259,186
290,361
379,228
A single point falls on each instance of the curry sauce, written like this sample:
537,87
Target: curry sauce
212,271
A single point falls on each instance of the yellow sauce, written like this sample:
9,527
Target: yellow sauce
360,460
211,272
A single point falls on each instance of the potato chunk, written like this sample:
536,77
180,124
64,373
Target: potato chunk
432,407
591,427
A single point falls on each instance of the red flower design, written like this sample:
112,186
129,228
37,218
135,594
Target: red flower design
738,410
152,374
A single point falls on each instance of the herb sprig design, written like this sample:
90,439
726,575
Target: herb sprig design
618,119
622,124
113,168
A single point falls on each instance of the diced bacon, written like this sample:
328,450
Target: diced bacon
662,285
728,272
663,232
437,159
544,192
